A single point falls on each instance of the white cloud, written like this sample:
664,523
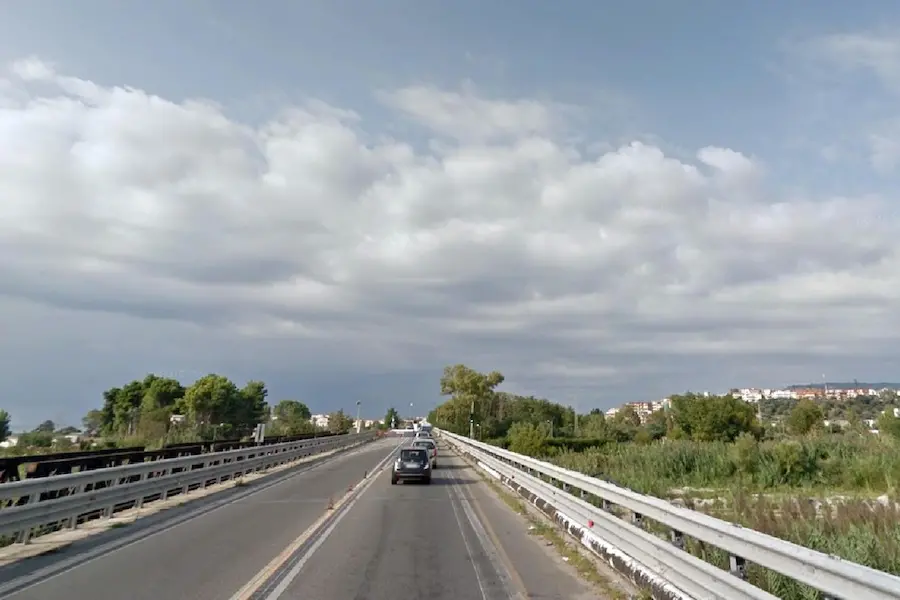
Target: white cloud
464,115
184,237
876,52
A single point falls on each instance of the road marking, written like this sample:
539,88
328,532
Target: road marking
340,510
62,567
515,586
479,576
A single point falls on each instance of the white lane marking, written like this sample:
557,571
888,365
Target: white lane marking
295,570
487,544
479,576
28,581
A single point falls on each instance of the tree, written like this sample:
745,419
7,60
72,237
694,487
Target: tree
339,422
210,401
657,424
888,424
806,416
527,438
467,386
4,425
713,418
68,430
251,407
292,417
392,418
160,392
46,427
93,422
291,410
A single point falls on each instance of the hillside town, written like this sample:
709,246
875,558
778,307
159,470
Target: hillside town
822,394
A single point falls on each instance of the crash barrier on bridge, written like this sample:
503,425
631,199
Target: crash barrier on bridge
69,499
62,463
581,504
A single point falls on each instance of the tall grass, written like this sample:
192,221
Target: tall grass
816,492
838,463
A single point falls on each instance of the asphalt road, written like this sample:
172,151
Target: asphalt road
451,539
208,557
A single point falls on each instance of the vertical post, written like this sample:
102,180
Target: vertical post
472,420
358,422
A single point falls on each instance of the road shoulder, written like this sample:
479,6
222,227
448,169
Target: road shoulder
546,563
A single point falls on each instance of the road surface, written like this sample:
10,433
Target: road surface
452,539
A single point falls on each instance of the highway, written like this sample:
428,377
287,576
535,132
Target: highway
452,539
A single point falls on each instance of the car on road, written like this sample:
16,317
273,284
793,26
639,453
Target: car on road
412,464
429,445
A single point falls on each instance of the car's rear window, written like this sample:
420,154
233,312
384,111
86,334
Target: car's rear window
416,455
424,443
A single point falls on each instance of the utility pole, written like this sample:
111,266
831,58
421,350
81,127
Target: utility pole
358,422
472,420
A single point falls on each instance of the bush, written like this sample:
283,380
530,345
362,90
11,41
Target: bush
527,438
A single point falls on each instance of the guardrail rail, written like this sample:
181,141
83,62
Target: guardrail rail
65,500
582,505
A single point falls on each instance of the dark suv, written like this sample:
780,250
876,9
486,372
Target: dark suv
412,464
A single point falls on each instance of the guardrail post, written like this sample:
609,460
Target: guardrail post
738,566
140,501
677,539
637,519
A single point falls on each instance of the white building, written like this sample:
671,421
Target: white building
320,420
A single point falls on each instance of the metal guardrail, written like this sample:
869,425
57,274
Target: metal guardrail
104,489
653,556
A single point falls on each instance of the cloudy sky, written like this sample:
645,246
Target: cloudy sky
341,197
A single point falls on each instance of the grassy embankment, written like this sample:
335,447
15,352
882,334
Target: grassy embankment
833,493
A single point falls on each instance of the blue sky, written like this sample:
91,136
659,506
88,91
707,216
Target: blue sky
749,76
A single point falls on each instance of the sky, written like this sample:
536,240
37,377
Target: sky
606,202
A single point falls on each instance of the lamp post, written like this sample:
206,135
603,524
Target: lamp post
358,422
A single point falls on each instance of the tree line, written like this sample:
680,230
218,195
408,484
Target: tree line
529,425
213,407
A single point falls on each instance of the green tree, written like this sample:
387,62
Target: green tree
392,418
657,425
211,400
339,422
713,418
160,392
470,389
888,424
292,417
806,416
93,422
4,425
527,438
594,426
250,408
46,427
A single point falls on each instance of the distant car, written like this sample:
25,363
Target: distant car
423,434
413,464
429,445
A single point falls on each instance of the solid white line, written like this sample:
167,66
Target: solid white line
487,545
479,577
295,570
25,582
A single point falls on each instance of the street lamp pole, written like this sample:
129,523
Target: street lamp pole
358,422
